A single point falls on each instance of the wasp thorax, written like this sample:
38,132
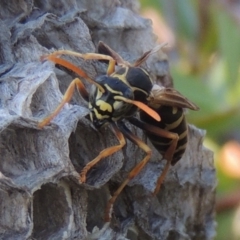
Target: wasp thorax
138,79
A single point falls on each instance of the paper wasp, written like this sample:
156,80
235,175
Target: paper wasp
127,90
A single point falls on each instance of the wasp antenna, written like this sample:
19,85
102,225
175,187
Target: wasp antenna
142,106
145,56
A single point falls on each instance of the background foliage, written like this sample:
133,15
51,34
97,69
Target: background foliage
204,52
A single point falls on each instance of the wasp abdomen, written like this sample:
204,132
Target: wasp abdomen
172,120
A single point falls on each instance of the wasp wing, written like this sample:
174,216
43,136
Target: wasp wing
145,56
169,97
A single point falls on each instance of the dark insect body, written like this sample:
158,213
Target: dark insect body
120,95
172,120
108,107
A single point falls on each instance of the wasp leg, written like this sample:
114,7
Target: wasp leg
104,153
85,56
134,172
66,98
71,67
106,50
170,151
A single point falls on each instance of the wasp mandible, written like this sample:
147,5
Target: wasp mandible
125,91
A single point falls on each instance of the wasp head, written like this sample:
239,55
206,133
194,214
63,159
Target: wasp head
104,106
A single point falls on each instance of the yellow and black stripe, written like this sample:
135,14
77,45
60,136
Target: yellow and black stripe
128,82
137,79
172,120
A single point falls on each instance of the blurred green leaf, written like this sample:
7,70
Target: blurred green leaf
226,184
181,16
152,3
195,90
224,226
187,19
229,40
208,37
214,114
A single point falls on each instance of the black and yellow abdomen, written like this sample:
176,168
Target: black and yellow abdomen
172,120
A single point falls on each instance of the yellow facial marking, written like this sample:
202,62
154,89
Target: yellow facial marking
99,116
104,106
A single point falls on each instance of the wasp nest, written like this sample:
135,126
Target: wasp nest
40,194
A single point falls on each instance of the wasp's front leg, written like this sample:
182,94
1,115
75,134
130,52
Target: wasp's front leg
66,98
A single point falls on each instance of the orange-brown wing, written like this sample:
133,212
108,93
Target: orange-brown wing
169,97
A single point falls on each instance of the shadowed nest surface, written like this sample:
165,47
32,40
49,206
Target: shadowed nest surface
40,195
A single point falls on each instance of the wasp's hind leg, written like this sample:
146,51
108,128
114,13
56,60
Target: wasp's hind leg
168,155
66,98
134,172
